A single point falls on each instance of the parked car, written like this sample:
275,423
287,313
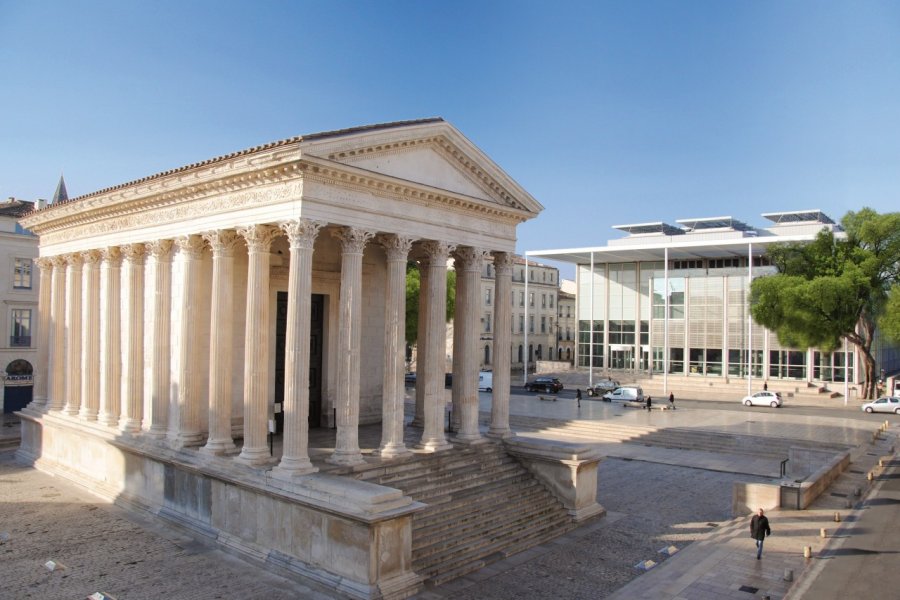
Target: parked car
601,387
544,384
626,393
485,381
410,378
766,398
888,404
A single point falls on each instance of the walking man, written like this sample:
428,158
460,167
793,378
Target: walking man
759,529
649,403
578,396
672,400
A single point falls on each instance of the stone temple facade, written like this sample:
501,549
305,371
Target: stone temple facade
183,314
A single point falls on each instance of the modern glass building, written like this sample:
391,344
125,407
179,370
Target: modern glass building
673,300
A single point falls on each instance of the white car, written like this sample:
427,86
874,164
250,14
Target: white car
772,399
888,404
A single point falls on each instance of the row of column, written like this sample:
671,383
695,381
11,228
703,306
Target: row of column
91,340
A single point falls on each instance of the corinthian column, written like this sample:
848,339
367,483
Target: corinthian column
353,242
397,249
133,338
503,262
43,333
295,455
90,336
187,404
221,340
433,438
465,340
110,336
57,342
73,334
256,344
159,339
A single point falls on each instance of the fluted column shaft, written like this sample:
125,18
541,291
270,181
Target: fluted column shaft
73,334
421,344
353,242
433,438
221,341
256,344
90,336
159,339
133,338
186,397
459,341
57,341
465,345
110,336
397,249
295,455
503,262
42,368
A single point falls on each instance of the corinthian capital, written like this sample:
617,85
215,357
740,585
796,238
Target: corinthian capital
160,250
222,241
133,253
437,252
190,245
258,237
112,256
503,262
397,247
301,233
91,257
353,239
467,258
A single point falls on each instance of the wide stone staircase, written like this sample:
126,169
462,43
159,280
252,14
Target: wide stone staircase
483,506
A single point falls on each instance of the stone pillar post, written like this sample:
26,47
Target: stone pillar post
159,339
433,438
353,242
503,262
221,341
186,399
421,344
295,455
133,338
465,340
57,342
393,389
460,312
41,370
73,334
110,336
90,336
256,344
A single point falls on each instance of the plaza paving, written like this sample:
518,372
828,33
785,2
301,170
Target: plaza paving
656,497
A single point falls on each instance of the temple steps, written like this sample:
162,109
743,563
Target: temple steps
482,506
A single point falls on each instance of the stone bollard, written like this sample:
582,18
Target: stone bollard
807,551
788,574
823,533
837,517
849,503
881,462
870,476
857,492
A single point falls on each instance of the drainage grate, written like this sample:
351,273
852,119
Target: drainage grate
749,589
838,494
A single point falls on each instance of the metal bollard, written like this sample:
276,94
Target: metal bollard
807,551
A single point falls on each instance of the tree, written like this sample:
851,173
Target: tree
835,287
412,300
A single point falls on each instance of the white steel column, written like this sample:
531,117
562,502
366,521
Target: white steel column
41,370
110,336
159,339
73,334
749,321
469,262
90,336
256,344
433,438
353,242
397,249
186,400
503,262
295,455
221,336
666,321
57,342
133,338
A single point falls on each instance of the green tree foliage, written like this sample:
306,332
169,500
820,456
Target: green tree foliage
412,300
835,287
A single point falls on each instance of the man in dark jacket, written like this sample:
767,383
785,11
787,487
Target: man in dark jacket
759,529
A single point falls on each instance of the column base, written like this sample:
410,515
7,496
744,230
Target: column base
345,458
217,448
108,420
293,469
255,457
185,440
70,411
130,426
435,444
500,433
393,450
87,415
471,439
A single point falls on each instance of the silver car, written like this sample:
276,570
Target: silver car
888,404
766,398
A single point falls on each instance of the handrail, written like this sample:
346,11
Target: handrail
784,466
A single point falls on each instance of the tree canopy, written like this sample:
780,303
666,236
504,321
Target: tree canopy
412,300
838,286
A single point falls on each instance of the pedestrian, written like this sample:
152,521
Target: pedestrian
672,400
765,386
759,529
649,403
578,397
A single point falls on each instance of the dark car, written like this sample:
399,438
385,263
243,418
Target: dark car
544,384
410,378
601,387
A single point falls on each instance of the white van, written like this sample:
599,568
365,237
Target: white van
627,393
485,381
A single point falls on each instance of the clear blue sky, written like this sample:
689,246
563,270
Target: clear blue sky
607,112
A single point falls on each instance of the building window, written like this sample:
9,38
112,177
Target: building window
487,296
21,327
521,298
531,299
543,324
551,300
687,264
543,300
487,322
531,324
521,324
724,263
22,274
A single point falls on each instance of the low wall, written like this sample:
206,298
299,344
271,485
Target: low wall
351,536
819,481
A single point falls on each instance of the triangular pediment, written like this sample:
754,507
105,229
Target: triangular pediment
432,154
